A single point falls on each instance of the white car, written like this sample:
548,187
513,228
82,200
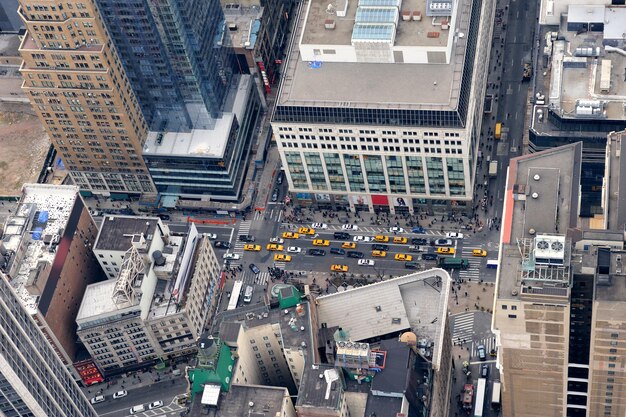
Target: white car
363,239
294,249
454,235
156,404
396,230
367,262
350,227
97,399
211,236
319,226
120,394
276,240
231,256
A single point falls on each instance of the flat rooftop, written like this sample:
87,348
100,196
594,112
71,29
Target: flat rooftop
98,300
243,22
315,391
615,210
265,400
408,33
378,85
210,141
39,222
554,175
616,288
418,302
116,232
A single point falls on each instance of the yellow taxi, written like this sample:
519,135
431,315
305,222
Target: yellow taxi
339,268
282,257
446,251
479,252
379,253
290,235
381,238
306,231
348,245
275,246
399,239
403,257
253,248
321,242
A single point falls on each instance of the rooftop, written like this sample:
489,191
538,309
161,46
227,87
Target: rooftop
248,401
541,198
613,288
417,302
39,222
210,141
98,301
321,387
615,180
321,83
117,232
243,22
9,45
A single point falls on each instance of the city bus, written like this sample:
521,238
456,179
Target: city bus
453,263
480,397
495,396
234,295
492,264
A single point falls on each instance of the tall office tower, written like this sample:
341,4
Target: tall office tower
78,89
201,115
33,380
381,104
46,253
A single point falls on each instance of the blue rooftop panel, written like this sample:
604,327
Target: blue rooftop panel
364,32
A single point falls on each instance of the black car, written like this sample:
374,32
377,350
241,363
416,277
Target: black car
222,244
482,353
163,216
255,269
317,252
419,241
337,251
279,180
379,246
484,370
355,254
341,235
246,238
429,256
411,265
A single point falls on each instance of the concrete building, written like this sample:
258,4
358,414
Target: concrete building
74,79
244,400
390,354
33,379
159,303
402,135
46,255
578,86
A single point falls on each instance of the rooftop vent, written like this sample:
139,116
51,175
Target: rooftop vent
531,231
159,259
329,24
406,15
417,15
536,177
535,195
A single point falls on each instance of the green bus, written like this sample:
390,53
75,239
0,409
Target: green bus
453,263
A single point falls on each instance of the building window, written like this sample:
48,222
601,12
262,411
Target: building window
512,316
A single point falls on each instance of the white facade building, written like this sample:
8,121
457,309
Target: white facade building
381,104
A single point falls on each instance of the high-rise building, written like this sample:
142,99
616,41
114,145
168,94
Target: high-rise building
381,103
46,252
201,114
33,380
560,304
75,81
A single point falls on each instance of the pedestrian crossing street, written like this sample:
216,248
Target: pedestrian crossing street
462,327
244,229
476,263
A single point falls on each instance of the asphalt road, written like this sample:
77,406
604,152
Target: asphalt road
164,391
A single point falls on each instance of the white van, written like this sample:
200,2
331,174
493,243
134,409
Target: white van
137,409
248,294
